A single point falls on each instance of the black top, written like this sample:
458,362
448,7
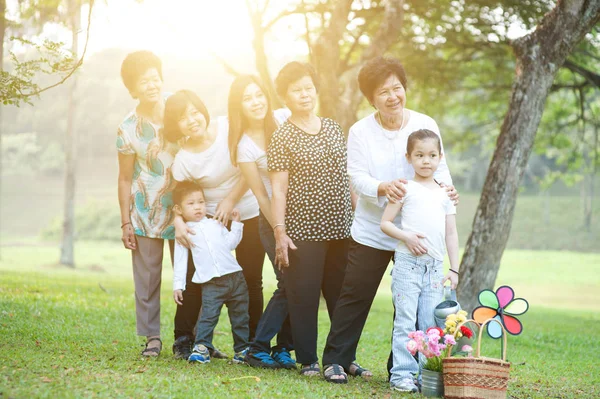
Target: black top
318,206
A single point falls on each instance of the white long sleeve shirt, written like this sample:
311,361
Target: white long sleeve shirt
212,255
377,155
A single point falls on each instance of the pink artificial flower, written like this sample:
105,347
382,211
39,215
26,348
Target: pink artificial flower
412,347
467,348
449,339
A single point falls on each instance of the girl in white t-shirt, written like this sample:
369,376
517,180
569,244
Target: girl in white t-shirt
428,228
251,124
204,158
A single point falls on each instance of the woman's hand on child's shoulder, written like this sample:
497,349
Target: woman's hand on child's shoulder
452,193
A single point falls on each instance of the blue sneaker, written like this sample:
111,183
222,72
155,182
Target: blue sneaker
239,356
261,360
284,359
199,355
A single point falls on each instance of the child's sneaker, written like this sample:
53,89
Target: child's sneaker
262,360
239,356
406,385
284,358
199,355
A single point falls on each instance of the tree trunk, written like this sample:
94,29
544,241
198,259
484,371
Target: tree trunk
539,55
68,238
262,66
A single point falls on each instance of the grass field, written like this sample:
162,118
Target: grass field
71,333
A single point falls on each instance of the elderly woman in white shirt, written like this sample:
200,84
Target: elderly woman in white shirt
378,168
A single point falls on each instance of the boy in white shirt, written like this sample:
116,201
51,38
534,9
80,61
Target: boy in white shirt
216,270
428,221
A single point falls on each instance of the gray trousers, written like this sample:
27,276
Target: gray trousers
147,268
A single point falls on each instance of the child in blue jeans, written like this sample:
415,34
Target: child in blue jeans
216,270
428,221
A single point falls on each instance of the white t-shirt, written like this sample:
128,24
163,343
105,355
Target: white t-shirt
212,169
249,151
376,155
424,211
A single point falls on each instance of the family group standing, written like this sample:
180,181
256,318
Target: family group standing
279,182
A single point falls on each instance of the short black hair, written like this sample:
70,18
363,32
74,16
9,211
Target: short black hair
375,72
420,135
175,107
185,188
292,72
136,64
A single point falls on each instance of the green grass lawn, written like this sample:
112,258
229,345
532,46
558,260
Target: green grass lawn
71,333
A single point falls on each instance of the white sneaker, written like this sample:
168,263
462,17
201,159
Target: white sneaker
406,385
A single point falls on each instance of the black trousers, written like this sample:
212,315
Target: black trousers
366,267
315,267
250,254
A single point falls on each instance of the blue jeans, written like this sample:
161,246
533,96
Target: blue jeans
275,319
230,290
416,289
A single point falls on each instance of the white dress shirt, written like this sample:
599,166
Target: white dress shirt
377,155
212,255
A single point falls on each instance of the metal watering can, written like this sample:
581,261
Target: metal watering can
448,306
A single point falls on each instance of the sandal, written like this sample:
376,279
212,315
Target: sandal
335,370
310,370
154,351
356,370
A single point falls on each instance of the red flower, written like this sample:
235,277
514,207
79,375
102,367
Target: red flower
466,331
436,328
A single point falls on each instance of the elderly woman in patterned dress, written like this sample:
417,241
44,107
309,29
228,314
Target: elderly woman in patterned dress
312,213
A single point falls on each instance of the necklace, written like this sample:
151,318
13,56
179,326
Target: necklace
390,134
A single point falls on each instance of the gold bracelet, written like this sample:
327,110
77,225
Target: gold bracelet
278,224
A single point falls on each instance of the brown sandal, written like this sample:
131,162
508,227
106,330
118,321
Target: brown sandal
356,370
154,351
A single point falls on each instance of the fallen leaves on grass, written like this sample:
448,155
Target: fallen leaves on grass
257,379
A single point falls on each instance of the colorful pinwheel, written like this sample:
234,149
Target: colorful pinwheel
502,306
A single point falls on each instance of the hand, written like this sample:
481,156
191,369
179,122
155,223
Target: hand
182,232
414,244
283,243
178,297
223,211
452,193
235,215
452,277
128,237
395,190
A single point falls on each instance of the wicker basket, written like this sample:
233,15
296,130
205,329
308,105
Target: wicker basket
477,377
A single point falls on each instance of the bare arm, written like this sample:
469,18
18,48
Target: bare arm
279,181
452,247
223,211
412,239
126,166
252,177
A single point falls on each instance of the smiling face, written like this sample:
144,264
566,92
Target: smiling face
193,207
148,87
254,103
192,123
425,157
301,96
390,97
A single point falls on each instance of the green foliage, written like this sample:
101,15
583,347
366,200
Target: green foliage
23,155
95,220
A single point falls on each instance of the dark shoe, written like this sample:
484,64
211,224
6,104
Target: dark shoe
182,347
284,358
154,351
261,360
217,354
335,373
